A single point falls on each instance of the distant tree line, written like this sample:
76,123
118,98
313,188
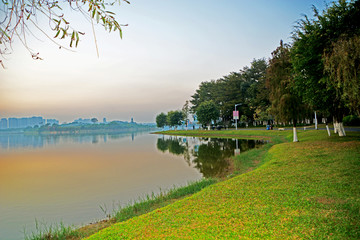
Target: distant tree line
318,71
75,128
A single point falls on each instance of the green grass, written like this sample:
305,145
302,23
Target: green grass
304,190
139,207
152,202
52,231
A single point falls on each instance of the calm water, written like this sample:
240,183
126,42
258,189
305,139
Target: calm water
66,178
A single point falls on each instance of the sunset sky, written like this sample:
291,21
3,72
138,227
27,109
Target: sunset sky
168,48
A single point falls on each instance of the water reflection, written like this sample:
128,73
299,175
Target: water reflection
211,156
31,141
65,178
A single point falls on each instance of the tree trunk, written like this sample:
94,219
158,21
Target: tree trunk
328,130
341,129
295,138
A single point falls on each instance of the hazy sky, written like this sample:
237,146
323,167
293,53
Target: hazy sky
167,50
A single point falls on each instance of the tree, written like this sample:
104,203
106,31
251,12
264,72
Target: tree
313,39
207,112
285,103
186,111
94,120
18,18
245,86
161,120
174,118
342,64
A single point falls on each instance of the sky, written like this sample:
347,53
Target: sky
168,48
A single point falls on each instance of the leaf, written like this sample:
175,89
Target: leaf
97,17
57,34
77,39
66,22
64,33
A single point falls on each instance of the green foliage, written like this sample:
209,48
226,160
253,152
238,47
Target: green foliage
207,112
286,105
161,120
351,120
342,64
246,86
87,128
52,231
186,111
312,39
174,118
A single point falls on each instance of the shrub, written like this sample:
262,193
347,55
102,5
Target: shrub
351,120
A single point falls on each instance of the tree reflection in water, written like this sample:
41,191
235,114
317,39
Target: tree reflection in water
211,156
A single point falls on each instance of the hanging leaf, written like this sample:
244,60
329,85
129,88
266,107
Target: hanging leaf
57,34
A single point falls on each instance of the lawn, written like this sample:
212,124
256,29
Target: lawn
309,189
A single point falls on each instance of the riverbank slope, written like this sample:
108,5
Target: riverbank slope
309,189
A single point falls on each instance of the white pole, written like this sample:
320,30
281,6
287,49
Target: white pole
235,119
316,123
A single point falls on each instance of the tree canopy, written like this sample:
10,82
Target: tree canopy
285,103
314,41
207,112
161,120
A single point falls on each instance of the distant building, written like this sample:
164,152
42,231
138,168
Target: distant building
4,123
132,120
13,123
39,121
104,120
22,122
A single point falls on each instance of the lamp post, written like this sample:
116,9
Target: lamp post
236,118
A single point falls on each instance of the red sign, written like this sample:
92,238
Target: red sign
236,114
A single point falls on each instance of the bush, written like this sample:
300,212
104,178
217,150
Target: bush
351,120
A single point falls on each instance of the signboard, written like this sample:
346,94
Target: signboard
236,114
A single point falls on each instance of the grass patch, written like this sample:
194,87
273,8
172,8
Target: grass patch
139,207
304,190
152,202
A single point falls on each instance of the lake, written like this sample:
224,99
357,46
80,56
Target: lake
71,178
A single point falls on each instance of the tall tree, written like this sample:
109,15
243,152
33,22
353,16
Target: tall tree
161,120
174,118
342,64
286,104
207,112
186,112
312,39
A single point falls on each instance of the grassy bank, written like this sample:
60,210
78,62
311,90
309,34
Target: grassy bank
139,207
309,189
